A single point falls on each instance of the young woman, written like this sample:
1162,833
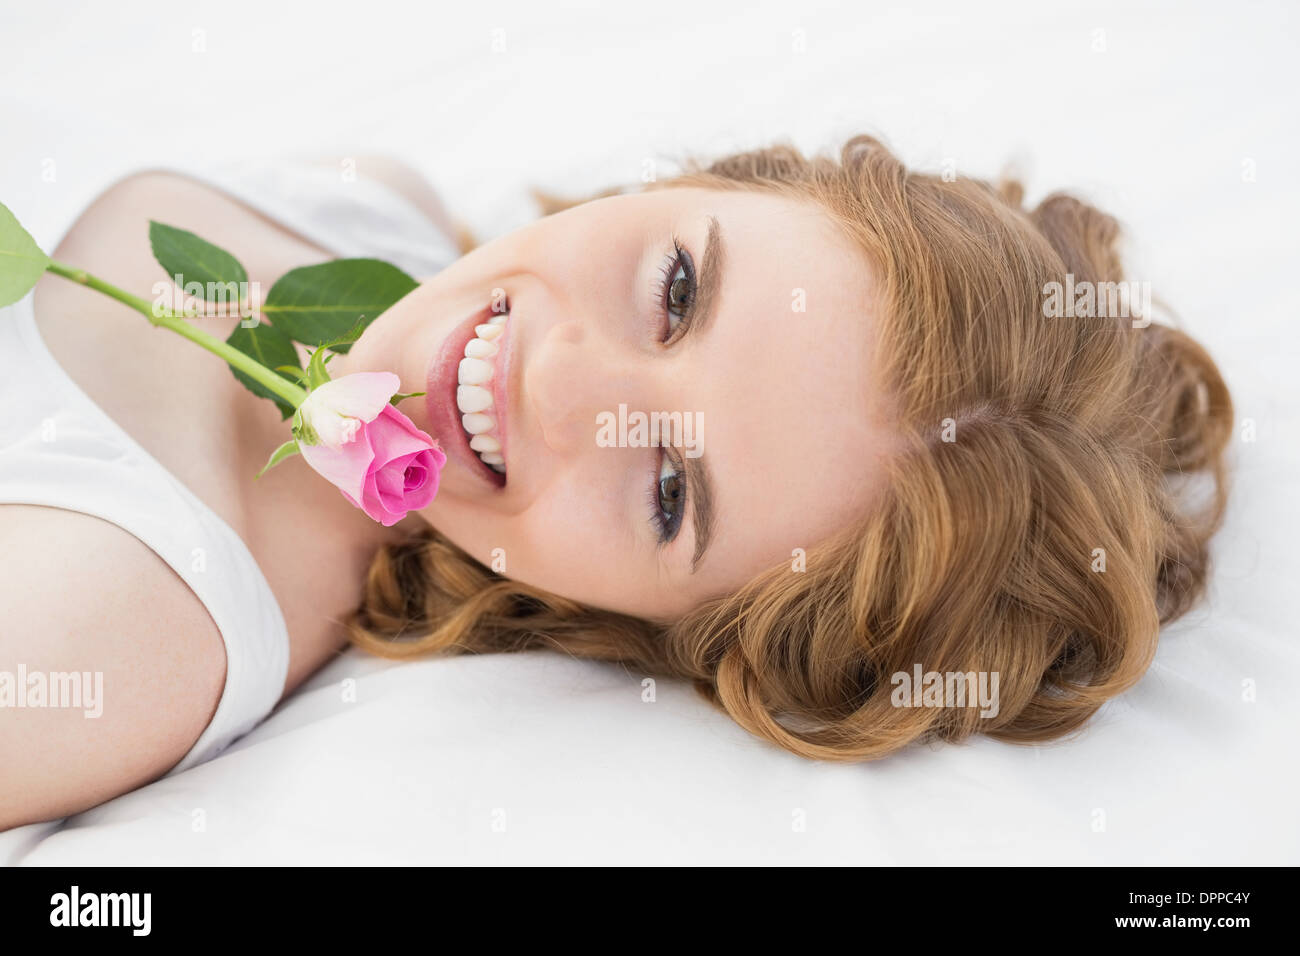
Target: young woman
902,460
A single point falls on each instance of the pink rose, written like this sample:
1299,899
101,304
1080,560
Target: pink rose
369,450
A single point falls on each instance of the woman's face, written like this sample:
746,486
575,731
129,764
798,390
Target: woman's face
753,347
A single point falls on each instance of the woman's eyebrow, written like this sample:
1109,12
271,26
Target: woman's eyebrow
699,482
709,288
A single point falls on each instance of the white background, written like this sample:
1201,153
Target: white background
1159,113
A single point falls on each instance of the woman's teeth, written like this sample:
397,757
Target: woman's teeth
474,394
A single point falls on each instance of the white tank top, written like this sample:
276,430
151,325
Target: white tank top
58,448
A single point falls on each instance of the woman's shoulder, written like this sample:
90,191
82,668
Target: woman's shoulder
230,219
113,231
118,664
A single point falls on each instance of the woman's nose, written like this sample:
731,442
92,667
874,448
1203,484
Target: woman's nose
571,378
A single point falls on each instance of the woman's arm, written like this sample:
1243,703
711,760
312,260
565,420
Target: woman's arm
82,595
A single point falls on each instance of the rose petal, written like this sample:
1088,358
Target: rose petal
372,504
392,435
345,467
417,498
414,477
331,409
390,487
361,395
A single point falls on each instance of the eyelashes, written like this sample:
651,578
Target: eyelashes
679,261
667,481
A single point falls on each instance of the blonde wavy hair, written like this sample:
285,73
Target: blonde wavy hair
1073,439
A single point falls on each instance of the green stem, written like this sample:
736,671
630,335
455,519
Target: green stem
255,370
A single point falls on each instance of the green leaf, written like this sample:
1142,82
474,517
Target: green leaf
22,263
322,304
347,338
401,395
188,259
272,348
280,454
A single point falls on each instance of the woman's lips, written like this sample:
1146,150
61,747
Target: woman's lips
440,400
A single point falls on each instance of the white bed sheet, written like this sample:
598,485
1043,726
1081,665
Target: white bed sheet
1161,115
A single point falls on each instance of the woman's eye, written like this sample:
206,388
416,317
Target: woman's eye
677,291
671,499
